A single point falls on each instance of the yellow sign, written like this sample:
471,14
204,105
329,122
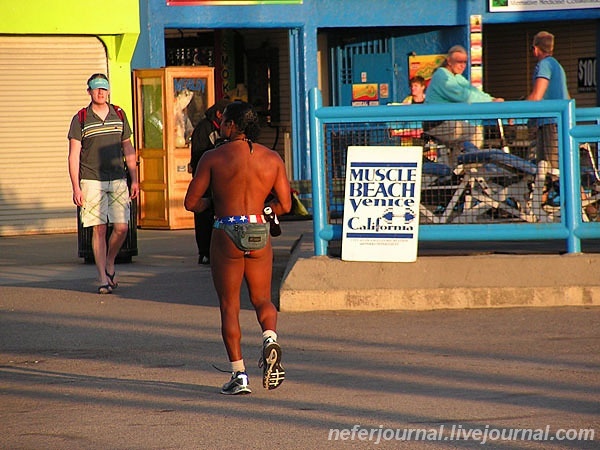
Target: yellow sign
365,92
424,65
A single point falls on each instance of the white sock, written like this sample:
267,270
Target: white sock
269,334
238,366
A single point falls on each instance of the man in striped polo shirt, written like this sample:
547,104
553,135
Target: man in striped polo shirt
99,150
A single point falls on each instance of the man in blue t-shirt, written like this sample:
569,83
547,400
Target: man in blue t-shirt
549,83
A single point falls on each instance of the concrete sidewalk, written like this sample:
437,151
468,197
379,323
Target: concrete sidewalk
51,260
446,275
133,370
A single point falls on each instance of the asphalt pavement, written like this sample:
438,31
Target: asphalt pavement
134,370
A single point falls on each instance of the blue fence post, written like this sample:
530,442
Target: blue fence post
318,172
571,202
587,133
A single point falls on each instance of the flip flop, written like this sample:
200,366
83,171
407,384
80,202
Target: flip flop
104,289
111,279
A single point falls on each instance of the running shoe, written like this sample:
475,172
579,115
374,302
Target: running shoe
237,385
270,361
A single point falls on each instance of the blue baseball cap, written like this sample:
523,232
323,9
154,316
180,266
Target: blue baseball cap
99,83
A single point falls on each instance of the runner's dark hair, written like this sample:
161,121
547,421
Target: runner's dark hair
243,115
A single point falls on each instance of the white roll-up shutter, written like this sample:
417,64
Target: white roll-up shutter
42,85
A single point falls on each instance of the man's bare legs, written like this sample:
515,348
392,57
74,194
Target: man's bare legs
115,242
259,268
103,256
229,266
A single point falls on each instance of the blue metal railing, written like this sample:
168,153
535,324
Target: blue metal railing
588,115
570,228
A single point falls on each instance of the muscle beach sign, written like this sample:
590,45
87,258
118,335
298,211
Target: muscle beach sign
381,204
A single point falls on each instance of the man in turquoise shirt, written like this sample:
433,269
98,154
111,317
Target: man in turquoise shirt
448,85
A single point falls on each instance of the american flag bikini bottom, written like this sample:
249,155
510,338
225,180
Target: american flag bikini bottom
248,233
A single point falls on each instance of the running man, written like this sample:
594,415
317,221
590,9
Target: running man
242,174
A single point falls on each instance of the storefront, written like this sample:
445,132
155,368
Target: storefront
46,57
268,52
319,43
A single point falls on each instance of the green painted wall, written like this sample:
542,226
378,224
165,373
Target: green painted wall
115,22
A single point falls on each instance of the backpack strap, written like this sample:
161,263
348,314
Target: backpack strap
119,112
81,115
